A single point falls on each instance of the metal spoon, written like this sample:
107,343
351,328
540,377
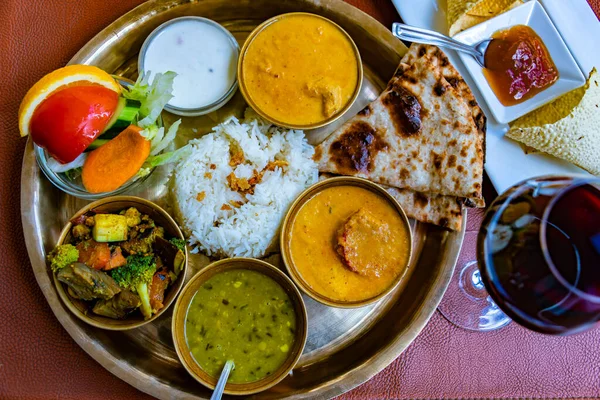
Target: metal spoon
218,393
425,36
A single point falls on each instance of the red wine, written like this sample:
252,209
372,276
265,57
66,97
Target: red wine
557,292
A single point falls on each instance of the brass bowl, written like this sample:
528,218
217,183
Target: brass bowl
180,314
286,233
83,309
251,103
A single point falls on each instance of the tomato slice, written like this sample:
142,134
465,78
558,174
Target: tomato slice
70,119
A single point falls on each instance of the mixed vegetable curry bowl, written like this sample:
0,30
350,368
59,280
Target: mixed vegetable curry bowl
119,263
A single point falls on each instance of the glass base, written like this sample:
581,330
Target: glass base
468,305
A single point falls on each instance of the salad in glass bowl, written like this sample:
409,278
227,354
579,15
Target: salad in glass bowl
97,135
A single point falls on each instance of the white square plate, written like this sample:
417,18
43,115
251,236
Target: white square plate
533,15
506,163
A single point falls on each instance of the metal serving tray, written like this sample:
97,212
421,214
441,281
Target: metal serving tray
345,347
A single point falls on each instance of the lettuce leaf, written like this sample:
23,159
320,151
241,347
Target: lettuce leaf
160,145
158,140
153,96
164,158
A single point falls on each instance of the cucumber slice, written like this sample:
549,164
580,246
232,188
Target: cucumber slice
97,143
126,112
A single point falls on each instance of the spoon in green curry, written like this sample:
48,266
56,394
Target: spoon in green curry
218,393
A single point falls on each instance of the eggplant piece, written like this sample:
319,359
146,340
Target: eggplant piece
169,254
87,283
118,306
142,243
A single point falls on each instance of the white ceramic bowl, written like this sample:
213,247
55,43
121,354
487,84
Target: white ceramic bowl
533,15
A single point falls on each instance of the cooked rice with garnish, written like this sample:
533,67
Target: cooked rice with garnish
249,173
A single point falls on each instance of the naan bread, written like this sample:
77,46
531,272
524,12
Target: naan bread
419,135
450,73
437,209
567,128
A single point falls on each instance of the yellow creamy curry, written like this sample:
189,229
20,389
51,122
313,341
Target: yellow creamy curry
349,244
300,70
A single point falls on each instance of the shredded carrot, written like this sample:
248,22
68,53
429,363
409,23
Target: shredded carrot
110,166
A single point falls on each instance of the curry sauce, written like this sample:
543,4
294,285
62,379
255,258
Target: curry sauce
301,69
349,244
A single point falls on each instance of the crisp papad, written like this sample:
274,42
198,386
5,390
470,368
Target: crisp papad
463,14
567,128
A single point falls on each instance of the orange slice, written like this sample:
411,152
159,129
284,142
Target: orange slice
57,79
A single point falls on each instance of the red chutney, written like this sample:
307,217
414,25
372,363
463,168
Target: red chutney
518,65
70,119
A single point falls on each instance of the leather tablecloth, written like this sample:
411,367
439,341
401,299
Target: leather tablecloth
39,360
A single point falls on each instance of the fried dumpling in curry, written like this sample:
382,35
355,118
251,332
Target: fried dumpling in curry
419,135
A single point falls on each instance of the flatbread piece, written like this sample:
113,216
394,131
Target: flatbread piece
454,78
419,135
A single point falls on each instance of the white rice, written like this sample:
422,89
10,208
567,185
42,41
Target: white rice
246,231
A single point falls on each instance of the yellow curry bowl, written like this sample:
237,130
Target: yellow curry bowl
82,309
180,315
300,70
330,257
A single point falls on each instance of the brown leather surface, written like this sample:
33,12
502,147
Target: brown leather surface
39,360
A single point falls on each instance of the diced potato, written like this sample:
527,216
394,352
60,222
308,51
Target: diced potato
110,228
133,216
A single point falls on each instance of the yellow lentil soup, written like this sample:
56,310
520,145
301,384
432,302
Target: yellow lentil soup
244,316
300,70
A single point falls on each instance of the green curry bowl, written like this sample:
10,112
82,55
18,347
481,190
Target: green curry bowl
84,310
245,310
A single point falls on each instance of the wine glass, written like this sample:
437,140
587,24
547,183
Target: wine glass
538,254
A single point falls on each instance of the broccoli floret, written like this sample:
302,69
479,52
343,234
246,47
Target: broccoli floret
62,255
179,243
136,276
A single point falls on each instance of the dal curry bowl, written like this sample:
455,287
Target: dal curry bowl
346,242
108,286
244,310
306,83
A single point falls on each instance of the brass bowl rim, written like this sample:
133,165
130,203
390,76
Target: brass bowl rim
240,75
292,213
215,105
66,299
197,280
